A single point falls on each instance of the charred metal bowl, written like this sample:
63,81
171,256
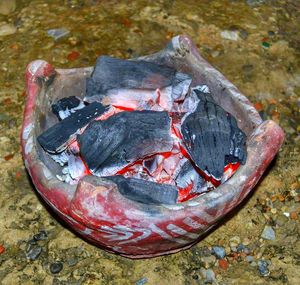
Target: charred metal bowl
96,210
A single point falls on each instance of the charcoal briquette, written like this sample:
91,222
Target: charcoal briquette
145,192
211,137
66,106
113,73
56,138
108,146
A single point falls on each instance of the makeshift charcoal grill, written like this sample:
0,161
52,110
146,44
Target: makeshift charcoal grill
127,206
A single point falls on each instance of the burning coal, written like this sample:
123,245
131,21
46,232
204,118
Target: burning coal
144,127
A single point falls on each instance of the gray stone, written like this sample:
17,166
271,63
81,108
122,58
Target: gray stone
72,261
230,35
7,29
56,267
57,34
34,252
281,220
263,268
249,258
219,251
210,276
142,281
42,235
268,233
240,248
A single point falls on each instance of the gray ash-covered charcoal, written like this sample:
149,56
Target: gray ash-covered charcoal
108,146
64,107
145,192
180,85
188,175
212,137
237,152
56,138
113,73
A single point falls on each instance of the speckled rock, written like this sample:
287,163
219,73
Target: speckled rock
219,251
268,233
7,29
56,267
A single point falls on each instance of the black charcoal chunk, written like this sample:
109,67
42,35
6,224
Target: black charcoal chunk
187,175
108,146
211,136
56,138
113,73
65,106
145,192
206,134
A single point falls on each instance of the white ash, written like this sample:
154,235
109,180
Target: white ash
74,170
61,158
66,113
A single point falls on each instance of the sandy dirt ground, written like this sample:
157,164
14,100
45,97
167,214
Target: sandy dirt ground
254,43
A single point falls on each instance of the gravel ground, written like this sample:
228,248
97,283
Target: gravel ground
255,43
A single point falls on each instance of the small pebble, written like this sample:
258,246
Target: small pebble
263,268
57,34
271,33
247,250
268,233
195,277
219,251
56,267
240,248
294,215
205,251
281,220
246,241
2,249
265,44
72,261
34,252
7,29
42,235
142,281
243,34
233,248
223,264
208,261
230,35
287,214
210,276
249,258
234,241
